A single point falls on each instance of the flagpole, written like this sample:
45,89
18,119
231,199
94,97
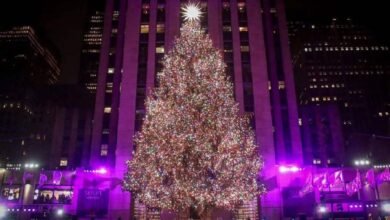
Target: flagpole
376,188
360,180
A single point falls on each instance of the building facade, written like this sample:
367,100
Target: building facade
92,41
26,65
341,62
253,37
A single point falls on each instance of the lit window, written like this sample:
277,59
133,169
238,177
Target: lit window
63,162
281,85
160,28
241,6
104,150
144,29
244,48
227,28
300,121
243,29
159,49
111,70
107,110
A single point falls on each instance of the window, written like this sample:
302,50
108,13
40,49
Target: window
144,29
11,193
244,48
63,162
243,29
53,196
160,49
281,85
160,28
111,70
227,28
107,110
104,150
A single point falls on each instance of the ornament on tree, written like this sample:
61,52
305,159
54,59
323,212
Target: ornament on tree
195,150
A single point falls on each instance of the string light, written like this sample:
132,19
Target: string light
194,148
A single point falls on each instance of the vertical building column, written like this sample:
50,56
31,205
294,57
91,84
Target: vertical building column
117,81
270,202
290,85
172,22
101,86
58,133
337,134
120,202
238,84
214,15
73,137
87,139
151,66
280,148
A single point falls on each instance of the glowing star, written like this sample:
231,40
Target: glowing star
191,12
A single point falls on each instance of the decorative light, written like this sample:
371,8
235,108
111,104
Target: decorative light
102,170
191,12
322,209
288,169
362,162
60,212
194,147
3,211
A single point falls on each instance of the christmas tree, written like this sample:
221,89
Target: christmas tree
195,150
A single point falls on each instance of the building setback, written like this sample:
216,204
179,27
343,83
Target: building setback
253,37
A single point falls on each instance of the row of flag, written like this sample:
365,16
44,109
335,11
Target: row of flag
55,178
328,180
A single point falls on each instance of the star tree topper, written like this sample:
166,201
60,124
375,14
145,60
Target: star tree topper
191,12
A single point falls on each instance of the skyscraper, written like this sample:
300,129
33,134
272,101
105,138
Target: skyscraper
253,37
26,65
341,62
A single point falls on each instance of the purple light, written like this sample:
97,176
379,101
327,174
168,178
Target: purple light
322,209
287,169
283,169
294,169
102,170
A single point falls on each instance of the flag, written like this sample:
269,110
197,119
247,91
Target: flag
384,176
42,179
336,178
355,185
57,176
320,181
308,187
370,177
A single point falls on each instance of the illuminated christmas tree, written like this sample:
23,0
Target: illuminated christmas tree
194,150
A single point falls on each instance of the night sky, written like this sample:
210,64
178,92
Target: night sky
62,21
